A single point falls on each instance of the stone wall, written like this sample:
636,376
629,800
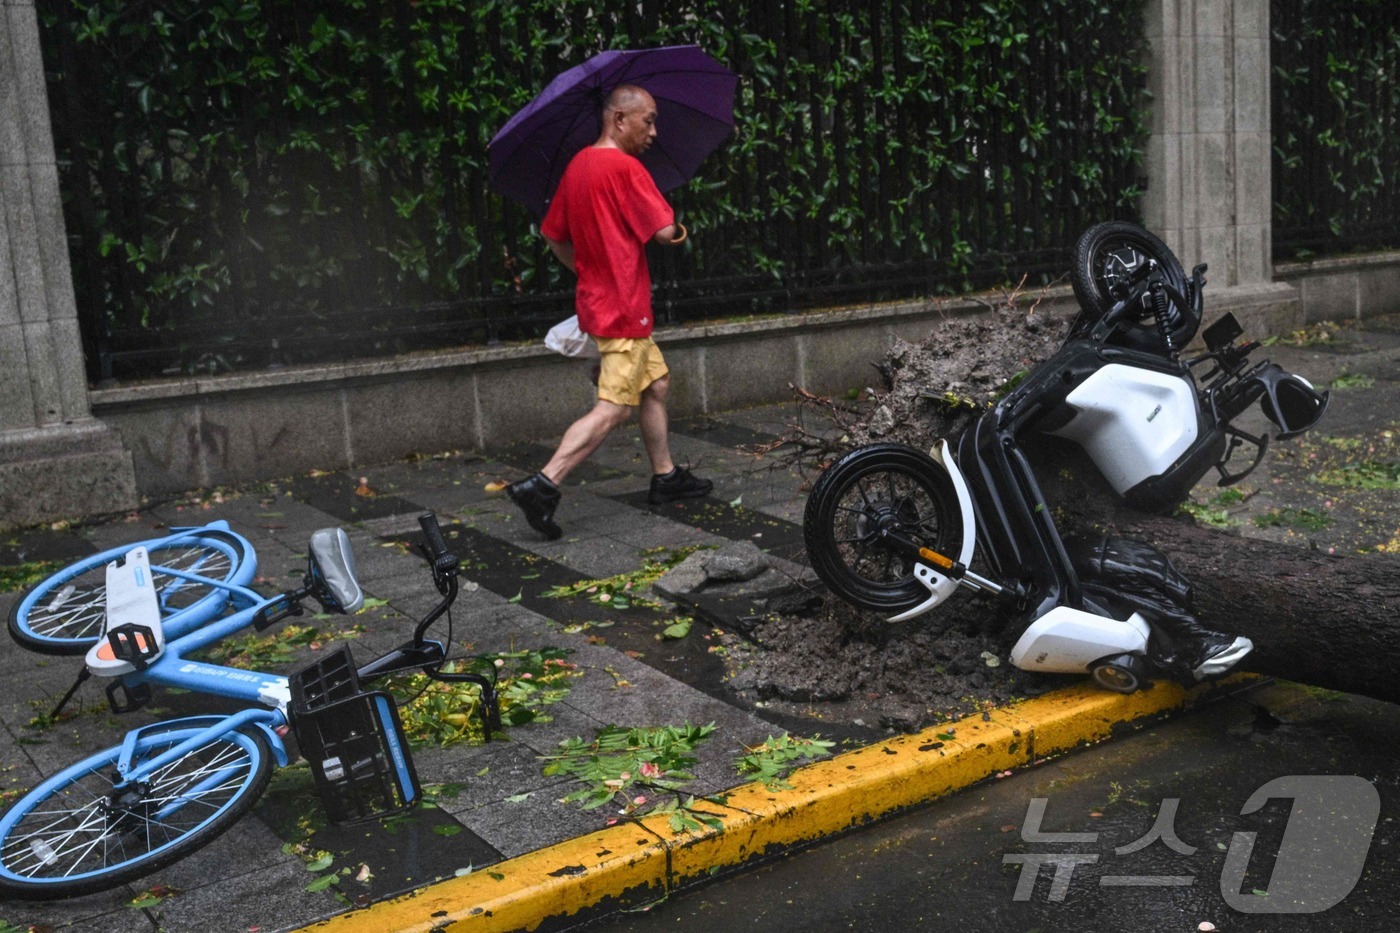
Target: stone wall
1345,288
207,431
55,459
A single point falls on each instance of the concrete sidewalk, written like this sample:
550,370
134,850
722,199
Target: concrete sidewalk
498,849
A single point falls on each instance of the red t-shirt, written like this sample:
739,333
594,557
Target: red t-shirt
608,207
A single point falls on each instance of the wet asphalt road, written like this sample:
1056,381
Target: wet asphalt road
960,864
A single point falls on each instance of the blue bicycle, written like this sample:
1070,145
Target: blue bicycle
137,614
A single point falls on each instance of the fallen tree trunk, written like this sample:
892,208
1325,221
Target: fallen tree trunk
1314,618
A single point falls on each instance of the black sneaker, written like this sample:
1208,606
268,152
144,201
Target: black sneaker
1219,654
680,483
538,498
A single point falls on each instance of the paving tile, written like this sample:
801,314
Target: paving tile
106,912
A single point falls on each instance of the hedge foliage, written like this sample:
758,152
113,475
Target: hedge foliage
236,170
1336,125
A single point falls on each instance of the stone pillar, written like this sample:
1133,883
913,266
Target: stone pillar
56,460
1209,168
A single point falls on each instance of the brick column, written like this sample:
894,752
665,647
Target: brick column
56,460
1209,192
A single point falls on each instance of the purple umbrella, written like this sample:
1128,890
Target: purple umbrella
694,114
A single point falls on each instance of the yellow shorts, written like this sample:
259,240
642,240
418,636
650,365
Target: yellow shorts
628,366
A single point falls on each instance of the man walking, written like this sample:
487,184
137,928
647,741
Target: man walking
605,211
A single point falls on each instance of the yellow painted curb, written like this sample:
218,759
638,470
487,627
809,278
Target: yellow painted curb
625,863
633,863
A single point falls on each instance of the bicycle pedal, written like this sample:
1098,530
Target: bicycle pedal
133,644
124,699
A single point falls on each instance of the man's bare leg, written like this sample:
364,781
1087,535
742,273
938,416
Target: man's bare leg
668,482
654,422
538,495
583,437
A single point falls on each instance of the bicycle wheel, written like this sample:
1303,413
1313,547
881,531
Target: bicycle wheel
870,489
1105,257
78,833
64,614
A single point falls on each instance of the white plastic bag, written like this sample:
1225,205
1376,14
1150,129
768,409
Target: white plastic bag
566,338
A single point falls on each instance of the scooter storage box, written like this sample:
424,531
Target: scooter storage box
353,740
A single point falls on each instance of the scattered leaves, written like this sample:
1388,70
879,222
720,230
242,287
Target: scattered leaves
623,590
1305,519
20,576
1365,474
771,762
322,883
1353,381
321,862
679,628
444,714
1310,336
255,651
153,896
619,762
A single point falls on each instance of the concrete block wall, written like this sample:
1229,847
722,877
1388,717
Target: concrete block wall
203,432
207,431
1345,288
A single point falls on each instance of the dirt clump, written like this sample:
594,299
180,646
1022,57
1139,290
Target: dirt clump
936,387
838,662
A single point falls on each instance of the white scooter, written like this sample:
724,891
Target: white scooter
891,529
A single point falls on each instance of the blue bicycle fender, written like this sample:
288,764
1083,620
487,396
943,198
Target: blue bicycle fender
266,720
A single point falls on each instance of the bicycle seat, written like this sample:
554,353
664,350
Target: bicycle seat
132,636
331,574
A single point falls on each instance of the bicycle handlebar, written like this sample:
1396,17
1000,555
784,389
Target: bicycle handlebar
429,523
444,561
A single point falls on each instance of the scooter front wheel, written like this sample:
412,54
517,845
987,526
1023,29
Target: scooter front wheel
881,487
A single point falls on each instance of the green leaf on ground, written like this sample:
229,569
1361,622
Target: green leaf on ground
773,760
323,882
678,629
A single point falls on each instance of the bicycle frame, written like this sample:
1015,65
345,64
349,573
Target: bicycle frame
172,668
195,631
211,727
176,784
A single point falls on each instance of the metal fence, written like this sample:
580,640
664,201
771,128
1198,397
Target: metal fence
252,184
1336,126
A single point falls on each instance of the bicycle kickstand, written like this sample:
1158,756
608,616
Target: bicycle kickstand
83,675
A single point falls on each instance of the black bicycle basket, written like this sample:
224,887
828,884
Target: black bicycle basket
353,740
